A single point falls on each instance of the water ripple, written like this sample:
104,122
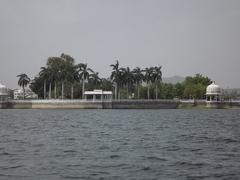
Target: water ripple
119,144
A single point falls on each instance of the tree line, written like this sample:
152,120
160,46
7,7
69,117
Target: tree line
62,78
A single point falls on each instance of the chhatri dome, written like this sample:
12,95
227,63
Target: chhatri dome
214,95
213,89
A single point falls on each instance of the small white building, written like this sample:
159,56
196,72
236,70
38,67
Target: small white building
18,94
214,95
3,92
98,94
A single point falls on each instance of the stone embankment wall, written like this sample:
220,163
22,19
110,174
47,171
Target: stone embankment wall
191,104
83,104
145,104
15,105
201,104
68,105
115,104
54,104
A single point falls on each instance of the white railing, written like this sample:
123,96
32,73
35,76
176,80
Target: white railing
71,101
58,101
187,101
65,101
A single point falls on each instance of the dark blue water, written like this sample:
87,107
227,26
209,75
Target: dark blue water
119,144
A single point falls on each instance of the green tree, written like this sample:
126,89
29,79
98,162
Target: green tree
106,84
70,71
36,86
195,87
43,74
167,91
138,78
94,80
23,81
157,78
179,90
84,73
53,64
72,78
115,77
126,79
149,78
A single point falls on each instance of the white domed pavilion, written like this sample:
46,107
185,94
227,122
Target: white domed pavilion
214,95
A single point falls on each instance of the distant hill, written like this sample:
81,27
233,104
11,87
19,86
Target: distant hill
235,91
173,79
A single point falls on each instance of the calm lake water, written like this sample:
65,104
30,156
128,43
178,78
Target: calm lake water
119,144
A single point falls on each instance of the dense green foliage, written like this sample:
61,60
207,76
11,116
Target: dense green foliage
62,78
191,88
65,77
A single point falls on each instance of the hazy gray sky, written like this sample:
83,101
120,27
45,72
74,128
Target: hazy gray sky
184,36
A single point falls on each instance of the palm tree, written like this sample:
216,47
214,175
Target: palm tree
44,74
106,84
127,78
94,79
48,75
54,65
67,71
115,76
121,82
52,78
84,73
23,82
157,77
49,78
62,75
72,76
149,79
138,78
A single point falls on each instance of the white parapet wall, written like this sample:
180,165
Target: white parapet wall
56,104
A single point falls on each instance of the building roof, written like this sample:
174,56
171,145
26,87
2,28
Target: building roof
213,89
98,92
2,86
3,90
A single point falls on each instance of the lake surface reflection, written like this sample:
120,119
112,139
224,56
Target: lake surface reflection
119,144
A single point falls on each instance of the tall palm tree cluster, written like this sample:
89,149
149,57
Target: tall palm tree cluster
62,78
127,81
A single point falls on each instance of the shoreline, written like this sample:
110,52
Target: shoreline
116,104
